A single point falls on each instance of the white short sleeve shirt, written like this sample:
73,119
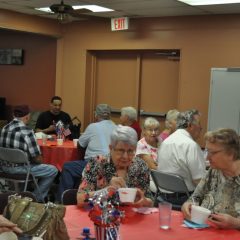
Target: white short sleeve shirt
181,155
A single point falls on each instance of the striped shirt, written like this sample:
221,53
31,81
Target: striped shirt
17,135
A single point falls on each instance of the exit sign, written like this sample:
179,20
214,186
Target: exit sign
119,23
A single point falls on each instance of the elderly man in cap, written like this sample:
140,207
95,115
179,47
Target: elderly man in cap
95,140
180,154
17,135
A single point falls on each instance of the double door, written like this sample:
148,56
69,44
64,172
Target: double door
146,80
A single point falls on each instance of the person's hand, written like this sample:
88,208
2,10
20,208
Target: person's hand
117,182
141,200
186,210
51,128
7,226
222,220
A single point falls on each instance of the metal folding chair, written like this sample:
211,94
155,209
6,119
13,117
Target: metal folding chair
168,182
69,197
13,156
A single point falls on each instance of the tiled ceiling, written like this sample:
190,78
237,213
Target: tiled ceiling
131,8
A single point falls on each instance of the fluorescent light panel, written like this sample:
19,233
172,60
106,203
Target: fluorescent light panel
208,2
93,8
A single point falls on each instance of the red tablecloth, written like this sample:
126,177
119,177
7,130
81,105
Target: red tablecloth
58,155
145,227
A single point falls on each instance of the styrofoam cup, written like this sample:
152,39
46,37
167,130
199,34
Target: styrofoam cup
59,141
199,214
75,141
127,194
44,139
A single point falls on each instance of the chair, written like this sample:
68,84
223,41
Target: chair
69,197
4,198
169,182
17,156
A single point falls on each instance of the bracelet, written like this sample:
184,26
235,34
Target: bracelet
103,191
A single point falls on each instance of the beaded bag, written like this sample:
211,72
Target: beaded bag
37,219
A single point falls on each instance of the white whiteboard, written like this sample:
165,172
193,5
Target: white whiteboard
224,99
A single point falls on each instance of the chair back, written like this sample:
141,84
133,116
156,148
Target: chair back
13,155
69,197
17,156
169,182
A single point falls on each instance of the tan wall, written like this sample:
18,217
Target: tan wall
205,42
33,82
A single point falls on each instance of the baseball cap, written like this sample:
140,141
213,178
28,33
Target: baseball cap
21,110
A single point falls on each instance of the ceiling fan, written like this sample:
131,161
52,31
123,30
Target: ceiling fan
64,10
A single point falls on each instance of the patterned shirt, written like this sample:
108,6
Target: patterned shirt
219,193
144,148
17,135
100,170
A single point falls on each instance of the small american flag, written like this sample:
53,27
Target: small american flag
66,132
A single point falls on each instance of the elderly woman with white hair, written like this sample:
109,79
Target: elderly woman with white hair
170,123
147,147
119,169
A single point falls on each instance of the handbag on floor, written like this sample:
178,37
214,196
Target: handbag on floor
37,219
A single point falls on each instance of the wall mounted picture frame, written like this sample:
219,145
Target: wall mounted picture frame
10,56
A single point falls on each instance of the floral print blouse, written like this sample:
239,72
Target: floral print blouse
144,148
100,170
219,193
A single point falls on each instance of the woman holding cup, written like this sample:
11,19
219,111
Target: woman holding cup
219,190
119,169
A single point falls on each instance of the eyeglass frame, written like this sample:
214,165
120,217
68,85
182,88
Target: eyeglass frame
212,153
121,151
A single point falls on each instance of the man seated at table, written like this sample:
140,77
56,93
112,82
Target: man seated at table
180,154
95,141
118,169
219,190
17,135
47,120
129,118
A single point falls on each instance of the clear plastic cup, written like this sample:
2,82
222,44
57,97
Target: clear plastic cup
165,210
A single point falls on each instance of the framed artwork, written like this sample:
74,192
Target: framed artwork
11,56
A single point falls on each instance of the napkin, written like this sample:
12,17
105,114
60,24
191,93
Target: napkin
193,225
145,210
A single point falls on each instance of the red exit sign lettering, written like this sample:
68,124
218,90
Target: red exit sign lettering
119,23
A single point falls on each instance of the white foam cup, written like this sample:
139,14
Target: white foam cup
75,141
44,139
199,214
59,141
127,194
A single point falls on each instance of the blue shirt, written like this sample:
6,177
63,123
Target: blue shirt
96,138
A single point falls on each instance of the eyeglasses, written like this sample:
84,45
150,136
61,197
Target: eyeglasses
153,130
211,153
121,151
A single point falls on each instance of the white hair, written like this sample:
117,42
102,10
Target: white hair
171,116
124,134
150,121
131,112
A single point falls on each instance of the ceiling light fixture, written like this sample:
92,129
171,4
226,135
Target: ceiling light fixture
208,2
93,8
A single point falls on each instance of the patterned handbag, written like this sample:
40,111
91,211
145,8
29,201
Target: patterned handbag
37,219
